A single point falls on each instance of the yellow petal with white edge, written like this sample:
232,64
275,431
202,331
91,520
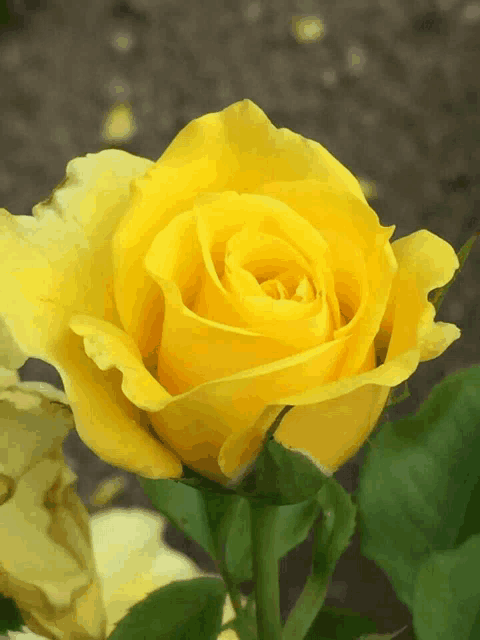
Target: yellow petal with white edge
232,405
237,149
58,262
331,432
355,403
110,347
425,262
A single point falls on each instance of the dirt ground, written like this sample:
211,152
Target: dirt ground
391,88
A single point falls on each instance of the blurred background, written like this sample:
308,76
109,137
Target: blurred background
390,87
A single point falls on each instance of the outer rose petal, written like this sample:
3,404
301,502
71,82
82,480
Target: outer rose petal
235,149
55,265
214,411
426,262
111,347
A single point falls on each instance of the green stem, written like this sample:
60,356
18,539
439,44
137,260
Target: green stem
306,608
265,571
236,597
239,623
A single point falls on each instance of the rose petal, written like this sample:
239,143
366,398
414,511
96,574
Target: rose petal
362,261
331,432
213,411
133,560
426,262
237,148
204,232
33,549
27,417
110,347
11,357
54,263
113,427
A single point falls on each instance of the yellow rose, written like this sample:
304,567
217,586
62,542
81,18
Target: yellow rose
46,557
132,560
185,302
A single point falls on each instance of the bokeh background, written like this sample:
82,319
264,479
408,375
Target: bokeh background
390,87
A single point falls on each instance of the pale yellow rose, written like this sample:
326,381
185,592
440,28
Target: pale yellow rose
46,559
132,560
185,302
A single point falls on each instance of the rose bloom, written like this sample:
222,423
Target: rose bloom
47,563
132,560
186,302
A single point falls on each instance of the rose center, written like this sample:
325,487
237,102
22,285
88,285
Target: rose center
288,286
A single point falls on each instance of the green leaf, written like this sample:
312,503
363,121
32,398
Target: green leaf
281,477
384,636
418,480
183,506
10,616
447,594
220,523
334,623
181,610
332,537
